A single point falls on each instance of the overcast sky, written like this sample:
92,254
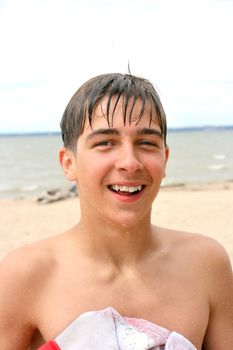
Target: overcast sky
50,47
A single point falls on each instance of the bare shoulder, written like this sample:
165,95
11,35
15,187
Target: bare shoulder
197,246
23,272
23,275
209,252
25,264
204,257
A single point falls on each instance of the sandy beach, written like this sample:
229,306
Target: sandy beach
206,209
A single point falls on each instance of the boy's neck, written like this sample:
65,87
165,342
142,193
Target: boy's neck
119,245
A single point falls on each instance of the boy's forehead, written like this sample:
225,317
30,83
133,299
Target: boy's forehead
118,104
114,113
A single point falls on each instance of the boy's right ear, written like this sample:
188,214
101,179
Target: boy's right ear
68,164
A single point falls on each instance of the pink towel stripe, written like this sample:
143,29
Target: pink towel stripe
51,345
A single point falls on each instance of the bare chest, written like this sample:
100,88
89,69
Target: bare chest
180,307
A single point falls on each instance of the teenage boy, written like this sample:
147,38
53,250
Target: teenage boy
92,286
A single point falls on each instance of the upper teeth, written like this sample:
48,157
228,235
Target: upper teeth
126,188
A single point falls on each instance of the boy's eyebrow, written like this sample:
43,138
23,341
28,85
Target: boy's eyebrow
114,131
150,131
104,131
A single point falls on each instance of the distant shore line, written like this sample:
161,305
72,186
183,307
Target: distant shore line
193,186
170,129
62,193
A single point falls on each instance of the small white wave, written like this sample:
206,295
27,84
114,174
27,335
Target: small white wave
219,156
29,188
216,167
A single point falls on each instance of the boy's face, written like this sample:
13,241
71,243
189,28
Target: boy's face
118,169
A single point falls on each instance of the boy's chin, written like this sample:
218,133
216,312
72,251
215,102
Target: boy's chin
127,220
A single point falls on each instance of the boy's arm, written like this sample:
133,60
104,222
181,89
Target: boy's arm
219,334
16,301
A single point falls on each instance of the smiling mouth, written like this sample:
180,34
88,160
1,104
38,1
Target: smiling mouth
126,190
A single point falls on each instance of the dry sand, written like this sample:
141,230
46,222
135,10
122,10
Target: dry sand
206,209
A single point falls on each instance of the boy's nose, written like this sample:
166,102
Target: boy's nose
128,160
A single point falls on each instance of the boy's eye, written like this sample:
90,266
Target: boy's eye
103,144
147,143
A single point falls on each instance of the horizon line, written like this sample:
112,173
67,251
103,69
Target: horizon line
172,128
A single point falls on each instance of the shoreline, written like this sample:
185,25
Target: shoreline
190,186
199,186
201,208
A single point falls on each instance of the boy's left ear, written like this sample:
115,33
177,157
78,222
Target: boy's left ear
166,159
67,162
167,151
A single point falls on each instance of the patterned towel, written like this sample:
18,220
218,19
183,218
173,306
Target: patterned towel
108,330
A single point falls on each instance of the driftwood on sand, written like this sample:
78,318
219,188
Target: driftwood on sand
57,194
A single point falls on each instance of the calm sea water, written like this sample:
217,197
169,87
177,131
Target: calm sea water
29,164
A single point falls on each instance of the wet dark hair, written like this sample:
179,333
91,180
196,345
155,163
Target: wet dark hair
82,105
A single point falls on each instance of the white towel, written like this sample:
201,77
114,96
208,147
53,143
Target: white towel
108,330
